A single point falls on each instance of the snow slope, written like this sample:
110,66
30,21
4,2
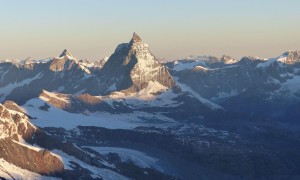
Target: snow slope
292,85
4,91
106,174
186,65
138,158
55,117
186,88
10,171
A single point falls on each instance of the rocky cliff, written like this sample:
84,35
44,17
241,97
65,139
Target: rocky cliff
15,128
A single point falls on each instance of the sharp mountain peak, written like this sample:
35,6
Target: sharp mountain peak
136,38
66,53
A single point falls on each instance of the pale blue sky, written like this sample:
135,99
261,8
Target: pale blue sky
173,28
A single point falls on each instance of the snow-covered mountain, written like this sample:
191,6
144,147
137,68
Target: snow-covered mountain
251,85
132,68
131,78
131,116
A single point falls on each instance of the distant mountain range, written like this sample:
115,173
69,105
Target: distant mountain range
132,116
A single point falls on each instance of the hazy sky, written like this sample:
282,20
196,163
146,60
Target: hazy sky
172,28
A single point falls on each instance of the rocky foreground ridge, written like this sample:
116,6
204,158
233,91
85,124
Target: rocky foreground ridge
15,130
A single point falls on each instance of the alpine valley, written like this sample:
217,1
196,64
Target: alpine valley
131,116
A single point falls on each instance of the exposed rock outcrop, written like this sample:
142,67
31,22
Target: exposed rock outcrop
292,57
15,127
75,103
66,53
132,67
42,162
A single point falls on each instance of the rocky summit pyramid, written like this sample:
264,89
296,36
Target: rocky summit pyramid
136,38
66,53
58,64
132,67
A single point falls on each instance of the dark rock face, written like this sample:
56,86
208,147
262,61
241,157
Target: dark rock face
42,162
66,53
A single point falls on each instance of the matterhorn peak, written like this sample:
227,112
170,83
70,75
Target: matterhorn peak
138,68
66,53
136,38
